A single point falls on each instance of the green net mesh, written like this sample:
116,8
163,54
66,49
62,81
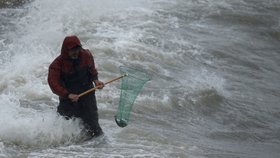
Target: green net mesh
131,86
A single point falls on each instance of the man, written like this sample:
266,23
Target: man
70,74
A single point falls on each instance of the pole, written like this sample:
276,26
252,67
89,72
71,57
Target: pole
93,89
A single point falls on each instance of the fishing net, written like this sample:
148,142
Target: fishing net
131,86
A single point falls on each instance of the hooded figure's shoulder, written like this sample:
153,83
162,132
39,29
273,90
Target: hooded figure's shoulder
86,53
57,62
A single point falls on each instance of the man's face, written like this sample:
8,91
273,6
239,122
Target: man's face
74,53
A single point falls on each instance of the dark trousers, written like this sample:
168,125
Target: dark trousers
85,109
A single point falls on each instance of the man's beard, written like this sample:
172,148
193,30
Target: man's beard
74,57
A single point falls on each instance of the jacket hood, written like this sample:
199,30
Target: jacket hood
68,43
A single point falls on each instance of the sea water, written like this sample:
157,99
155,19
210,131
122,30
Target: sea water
214,93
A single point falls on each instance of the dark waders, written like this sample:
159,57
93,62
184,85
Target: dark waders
86,109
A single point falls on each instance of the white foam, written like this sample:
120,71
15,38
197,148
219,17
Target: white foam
30,127
203,79
2,150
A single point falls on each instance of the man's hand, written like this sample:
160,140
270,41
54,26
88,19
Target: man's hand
99,84
73,97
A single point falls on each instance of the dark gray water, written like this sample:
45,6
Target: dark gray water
214,93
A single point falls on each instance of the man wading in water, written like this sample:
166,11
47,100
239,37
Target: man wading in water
70,74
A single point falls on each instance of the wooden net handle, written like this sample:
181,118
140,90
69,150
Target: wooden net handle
93,89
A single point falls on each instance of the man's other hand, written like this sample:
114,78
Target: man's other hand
73,97
99,84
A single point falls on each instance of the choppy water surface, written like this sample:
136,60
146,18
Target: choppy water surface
215,88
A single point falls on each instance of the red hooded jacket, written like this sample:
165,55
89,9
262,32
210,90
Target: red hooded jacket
64,65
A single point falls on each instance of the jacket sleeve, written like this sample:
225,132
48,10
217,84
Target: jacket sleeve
54,80
92,69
